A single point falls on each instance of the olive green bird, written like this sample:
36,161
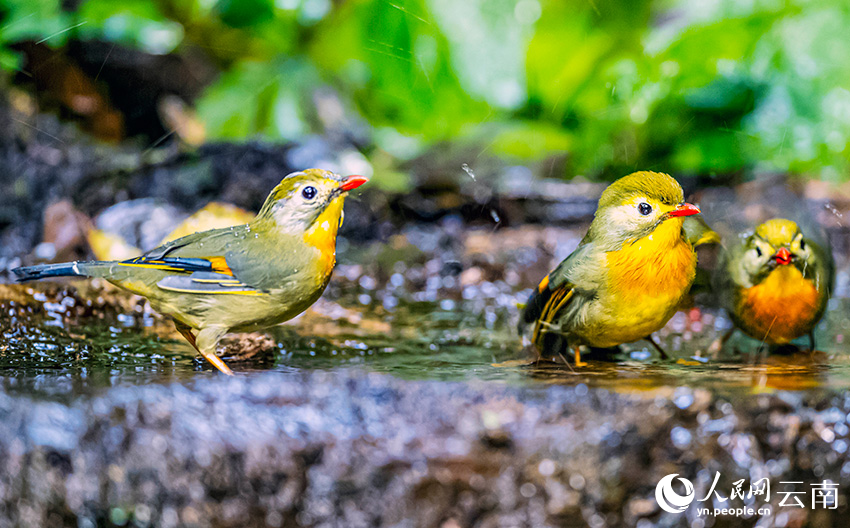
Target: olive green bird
776,283
240,278
628,274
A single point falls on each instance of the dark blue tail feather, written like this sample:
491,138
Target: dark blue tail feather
66,269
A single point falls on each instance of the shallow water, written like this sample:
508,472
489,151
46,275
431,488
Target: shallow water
417,341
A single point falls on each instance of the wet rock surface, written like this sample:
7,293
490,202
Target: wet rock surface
346,448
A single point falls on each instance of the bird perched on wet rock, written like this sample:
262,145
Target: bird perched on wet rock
240,278
628,274
776,283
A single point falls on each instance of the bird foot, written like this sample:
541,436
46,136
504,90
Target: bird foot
578,361
218,363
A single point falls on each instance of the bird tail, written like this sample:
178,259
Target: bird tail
65,269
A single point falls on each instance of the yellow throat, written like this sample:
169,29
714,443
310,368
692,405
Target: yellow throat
322,234
661,264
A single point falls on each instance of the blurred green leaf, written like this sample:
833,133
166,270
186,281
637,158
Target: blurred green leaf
35,20
268,99
245,13
529,140
397,64
137,23
608,85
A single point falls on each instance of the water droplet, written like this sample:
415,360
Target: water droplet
469,171
495,216
831,208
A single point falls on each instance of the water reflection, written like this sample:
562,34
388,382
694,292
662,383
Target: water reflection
800,371
417,341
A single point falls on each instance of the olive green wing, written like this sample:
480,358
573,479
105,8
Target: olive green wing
698,232
730,275
203,245
220,261
246,260
824,267
555,293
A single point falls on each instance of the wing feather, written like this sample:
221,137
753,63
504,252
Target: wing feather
259,263
182,264
201,282
188,267
554,295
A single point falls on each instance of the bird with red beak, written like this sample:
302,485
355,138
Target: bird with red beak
775,283
627,276
240,278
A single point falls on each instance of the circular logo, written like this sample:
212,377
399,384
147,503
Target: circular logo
669,500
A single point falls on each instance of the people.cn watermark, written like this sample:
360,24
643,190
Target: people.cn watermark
793,494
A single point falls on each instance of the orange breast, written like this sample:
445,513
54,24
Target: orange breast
780,308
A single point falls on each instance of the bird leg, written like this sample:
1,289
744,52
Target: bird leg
205,350
577,354
186,332
657,347
217,362
812,341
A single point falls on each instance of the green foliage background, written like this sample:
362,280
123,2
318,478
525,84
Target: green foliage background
709,87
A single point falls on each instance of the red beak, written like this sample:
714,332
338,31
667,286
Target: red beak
684,209
783,256
352,182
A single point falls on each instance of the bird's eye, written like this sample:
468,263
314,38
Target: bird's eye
802,244
644,208
758,251
309,192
